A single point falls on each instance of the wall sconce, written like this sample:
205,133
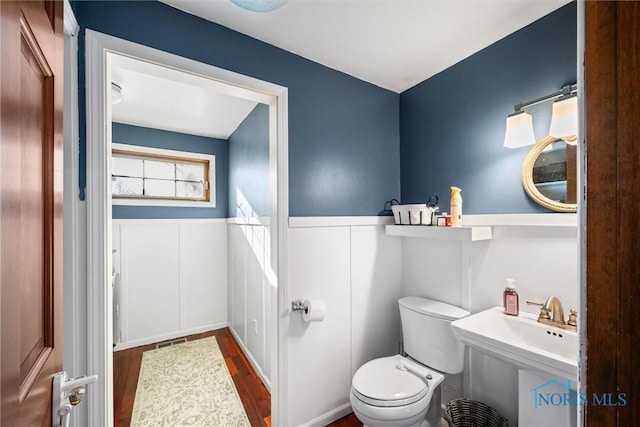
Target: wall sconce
519,130
564,120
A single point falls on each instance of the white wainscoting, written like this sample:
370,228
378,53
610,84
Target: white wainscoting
360,272
171,279
251,284
355,270
375,290
541,255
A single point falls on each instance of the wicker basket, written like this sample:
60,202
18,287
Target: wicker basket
471,413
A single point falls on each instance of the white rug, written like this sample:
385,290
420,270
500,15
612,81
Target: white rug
187,385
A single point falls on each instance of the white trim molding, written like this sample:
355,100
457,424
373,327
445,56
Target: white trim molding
75,307
101,51
582,211
472,220
169,220
252,360
331,416
99,324
262,220
279,183
166,337
71,26
338,221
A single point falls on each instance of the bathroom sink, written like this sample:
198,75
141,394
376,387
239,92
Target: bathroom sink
521,341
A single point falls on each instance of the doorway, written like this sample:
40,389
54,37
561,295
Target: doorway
99,49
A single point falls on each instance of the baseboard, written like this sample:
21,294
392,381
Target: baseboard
170,336
254,363
329,417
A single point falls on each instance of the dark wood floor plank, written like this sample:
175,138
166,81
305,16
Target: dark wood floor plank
247,401
120,379
254,395
231,366
242,368
229,343
131,385
224,348
259,396
348,421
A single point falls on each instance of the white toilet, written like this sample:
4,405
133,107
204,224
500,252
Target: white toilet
400,391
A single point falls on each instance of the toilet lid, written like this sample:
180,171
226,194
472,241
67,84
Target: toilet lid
381,380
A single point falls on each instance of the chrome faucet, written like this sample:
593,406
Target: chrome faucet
552,313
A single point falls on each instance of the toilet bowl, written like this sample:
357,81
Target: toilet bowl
403,391
395,392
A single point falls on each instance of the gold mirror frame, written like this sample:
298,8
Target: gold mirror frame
530,187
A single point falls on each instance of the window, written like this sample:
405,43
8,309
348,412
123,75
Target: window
147,176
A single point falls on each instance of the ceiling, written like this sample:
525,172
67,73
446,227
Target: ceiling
394,44
164,98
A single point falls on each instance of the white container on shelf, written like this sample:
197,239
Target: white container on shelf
412,214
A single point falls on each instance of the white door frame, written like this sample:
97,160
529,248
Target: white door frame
98,113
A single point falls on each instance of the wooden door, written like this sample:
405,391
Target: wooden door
612,103
31,171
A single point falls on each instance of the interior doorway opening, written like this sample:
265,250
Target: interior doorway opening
101,54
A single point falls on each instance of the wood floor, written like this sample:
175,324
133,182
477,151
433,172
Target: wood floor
255,397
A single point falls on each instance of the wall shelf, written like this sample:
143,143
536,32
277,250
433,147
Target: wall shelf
471,234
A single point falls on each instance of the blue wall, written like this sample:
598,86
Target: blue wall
452,125
249,165
344,155
147,137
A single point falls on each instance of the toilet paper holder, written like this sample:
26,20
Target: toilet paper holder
311,310
298,305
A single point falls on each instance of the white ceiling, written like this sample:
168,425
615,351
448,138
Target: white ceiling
394,44
163,98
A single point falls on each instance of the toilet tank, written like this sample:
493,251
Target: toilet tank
428,338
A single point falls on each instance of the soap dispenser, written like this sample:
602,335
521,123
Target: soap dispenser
510,299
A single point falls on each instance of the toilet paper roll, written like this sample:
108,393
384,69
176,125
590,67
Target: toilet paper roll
313,310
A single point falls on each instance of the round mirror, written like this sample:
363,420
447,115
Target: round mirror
549,174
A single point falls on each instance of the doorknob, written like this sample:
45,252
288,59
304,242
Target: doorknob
67,393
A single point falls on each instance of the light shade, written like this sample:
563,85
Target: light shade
564,119
259,5
519,130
